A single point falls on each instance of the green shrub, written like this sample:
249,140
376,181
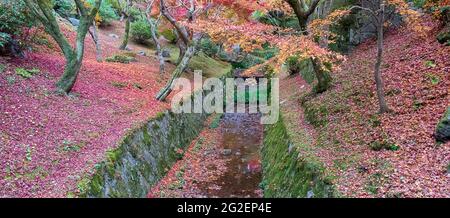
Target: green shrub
418,3
106,12
140,31
135,14
209,47
293,65
266,52
248,61
64,7
14,17
268,71
169,34
115,4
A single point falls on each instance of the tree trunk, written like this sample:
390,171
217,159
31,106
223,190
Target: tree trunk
303,24
158,49
181,67
182,51
74,60
67,80
74,57
303,11
323,77
124,44
98,48
377,74
153,28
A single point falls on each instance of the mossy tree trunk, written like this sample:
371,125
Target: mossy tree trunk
181,67
98,47
302,11
189,40
323,77
124,44
126,15
182,50
153,28
43,11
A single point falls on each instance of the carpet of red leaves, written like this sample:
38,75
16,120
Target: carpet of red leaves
419,167
49,142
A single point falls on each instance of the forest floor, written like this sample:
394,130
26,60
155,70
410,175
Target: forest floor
373,155
49,142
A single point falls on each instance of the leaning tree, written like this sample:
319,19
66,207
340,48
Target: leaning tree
179,15
43,11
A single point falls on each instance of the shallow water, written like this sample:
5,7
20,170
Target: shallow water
242,135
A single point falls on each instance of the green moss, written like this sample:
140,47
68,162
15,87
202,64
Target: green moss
2,68
27,73
119,84
379,145
444,119
169,35
112,156
374,120
216,121
165,154
147,138
316,115
160,115
285,174
373,183
210,67
83,186
96,184
121,58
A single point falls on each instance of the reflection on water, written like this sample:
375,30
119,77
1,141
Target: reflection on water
241,140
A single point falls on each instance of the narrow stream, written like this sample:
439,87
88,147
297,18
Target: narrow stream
241,140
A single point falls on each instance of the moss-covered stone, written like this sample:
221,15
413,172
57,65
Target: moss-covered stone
443,128
444,35
287,175
143,156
